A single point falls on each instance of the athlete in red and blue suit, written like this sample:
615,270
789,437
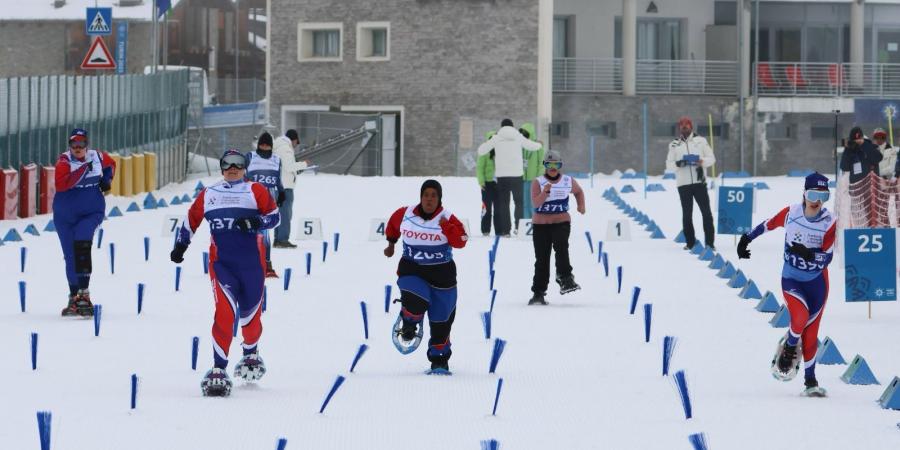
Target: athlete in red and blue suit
808,245
236,211
426,273
82,177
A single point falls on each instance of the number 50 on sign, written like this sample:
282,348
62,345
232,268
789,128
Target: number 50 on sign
870,264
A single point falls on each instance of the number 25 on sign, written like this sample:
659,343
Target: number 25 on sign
870,264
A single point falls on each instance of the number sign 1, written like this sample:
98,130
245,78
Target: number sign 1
735,210
618,230
870,264
307,228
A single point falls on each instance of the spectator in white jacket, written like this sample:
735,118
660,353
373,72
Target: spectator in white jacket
888,165
507,145
284,147
689,157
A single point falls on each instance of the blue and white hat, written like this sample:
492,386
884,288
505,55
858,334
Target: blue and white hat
816,181
78,134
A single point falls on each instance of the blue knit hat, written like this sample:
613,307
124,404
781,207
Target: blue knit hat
816,181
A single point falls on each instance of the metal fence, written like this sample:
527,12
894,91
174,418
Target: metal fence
652,76
244,90
784,79
341,143
122,113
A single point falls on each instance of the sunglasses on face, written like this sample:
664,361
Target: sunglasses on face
813,195
236,161
552,165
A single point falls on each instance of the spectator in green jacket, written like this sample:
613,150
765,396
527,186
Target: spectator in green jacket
534,168
485,172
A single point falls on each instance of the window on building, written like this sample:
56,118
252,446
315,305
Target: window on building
823,44
788,44
825,132
656,38
563,36
373,41
319,41
600,128
719,131
725,13
781,131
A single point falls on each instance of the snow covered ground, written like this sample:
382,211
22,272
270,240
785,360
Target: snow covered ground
577,374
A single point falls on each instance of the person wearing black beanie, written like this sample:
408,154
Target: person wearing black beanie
860,156
426,274
264,167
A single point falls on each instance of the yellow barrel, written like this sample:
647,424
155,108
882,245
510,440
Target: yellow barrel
150,171
127,176
117,175
137,161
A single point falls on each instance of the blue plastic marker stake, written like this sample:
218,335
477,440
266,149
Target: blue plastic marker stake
34,346
134,385
237,320
337,384
22,295
308,262
698,441
619,278
112,257
44,419
337,241
177,278
605,265
668,350
206,262
146,248
140,297
287,278
98,310
365,318
387,298
324,250
23,252
635,293
265,298
282,444
491,286
648,312
681,384
359,353
497,396
499,346
100,238
587,234
490,260
493,298
495,245
195,347
599,249
486,323
491,444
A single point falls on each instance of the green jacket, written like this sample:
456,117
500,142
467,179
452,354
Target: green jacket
484,165
534,161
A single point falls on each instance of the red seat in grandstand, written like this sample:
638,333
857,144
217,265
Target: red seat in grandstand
794,76
835,75
764,76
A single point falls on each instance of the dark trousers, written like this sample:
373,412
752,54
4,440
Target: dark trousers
546,237
688,194
488,199
505,187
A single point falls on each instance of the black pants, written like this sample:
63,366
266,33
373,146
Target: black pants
489,198
545,237
440,331
688,194
505,187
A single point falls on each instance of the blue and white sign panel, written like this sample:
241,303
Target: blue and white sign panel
870,264
121,46
735,210
98,22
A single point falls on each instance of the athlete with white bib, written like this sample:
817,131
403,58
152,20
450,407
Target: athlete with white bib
551,226
426,274
264,167
809,231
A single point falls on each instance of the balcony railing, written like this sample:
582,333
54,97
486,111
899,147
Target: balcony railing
604,75
780,79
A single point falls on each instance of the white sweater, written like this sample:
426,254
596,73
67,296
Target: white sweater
507,145
693,145
888,160
289,164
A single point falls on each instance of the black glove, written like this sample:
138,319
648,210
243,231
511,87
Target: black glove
177,255
492,153
680,163
742,250
801,251
280,200
249,223
105,185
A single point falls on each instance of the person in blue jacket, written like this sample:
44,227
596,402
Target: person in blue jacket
264,167
83,176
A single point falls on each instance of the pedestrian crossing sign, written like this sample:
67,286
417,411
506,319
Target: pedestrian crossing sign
98,22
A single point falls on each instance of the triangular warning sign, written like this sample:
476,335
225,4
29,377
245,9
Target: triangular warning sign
98,57
99,25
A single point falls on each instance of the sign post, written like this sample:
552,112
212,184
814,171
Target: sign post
735,210
870,265
98,23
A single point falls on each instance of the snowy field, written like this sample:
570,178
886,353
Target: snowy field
577,373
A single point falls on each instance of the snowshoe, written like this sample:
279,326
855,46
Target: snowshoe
813,389
216,383
83,305
439,368
786,362
71,309
567,284
538,299
407,335
250,368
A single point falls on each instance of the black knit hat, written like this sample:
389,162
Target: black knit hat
292,135
264,139
856,133
434,185
506,123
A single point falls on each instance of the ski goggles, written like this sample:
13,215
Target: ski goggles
814,195
552,165
77,144
229,161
